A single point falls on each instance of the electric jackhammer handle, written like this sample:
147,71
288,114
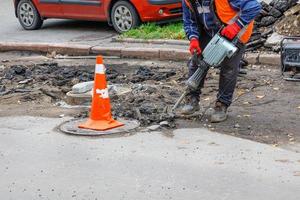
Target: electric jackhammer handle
195,57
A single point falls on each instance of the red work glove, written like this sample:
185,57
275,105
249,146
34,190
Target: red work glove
195,46
231,30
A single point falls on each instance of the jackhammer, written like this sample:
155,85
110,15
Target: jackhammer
213,55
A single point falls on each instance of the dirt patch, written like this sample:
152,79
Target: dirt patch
266,109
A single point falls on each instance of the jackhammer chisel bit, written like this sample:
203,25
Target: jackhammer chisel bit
194,81
179,100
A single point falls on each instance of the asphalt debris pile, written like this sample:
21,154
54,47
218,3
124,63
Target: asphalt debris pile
33,81
277,12
154,89
49,82
151,96
290,25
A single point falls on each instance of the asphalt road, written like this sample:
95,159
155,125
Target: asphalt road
37,162
53,30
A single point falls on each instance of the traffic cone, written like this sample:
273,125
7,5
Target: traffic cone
100,116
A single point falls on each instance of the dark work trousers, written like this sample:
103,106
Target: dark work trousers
229,70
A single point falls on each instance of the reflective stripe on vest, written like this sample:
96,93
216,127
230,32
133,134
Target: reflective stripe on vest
203,10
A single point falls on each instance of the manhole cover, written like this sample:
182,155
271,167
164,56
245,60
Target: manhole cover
71,127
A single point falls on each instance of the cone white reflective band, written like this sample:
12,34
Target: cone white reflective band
100,69
103,93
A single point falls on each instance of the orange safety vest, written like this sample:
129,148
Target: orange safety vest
226,14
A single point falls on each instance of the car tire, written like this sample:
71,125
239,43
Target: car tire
124,16
28,15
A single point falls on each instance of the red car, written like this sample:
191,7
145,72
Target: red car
122,14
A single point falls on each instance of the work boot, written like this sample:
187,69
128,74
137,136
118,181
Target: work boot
220,113
191,105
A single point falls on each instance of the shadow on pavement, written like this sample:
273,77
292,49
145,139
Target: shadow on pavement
63,24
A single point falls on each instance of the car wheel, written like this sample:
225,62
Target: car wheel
124,16
28,15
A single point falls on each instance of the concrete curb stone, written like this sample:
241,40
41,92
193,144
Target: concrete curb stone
150,41
70,49
269,59
263,59
175,55
106,51
252,58
15,46
144,53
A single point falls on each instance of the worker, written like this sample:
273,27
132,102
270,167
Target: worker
234,16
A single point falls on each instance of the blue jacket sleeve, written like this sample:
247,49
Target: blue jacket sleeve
249,10
189,23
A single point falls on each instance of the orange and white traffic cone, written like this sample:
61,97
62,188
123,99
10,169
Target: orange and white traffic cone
100,117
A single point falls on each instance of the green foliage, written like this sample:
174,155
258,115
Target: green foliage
153,31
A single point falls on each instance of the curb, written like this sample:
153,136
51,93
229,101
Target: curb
263,59
150,41
14,46
70,49
143,53
84,50
126,52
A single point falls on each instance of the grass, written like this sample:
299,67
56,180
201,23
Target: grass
153,31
